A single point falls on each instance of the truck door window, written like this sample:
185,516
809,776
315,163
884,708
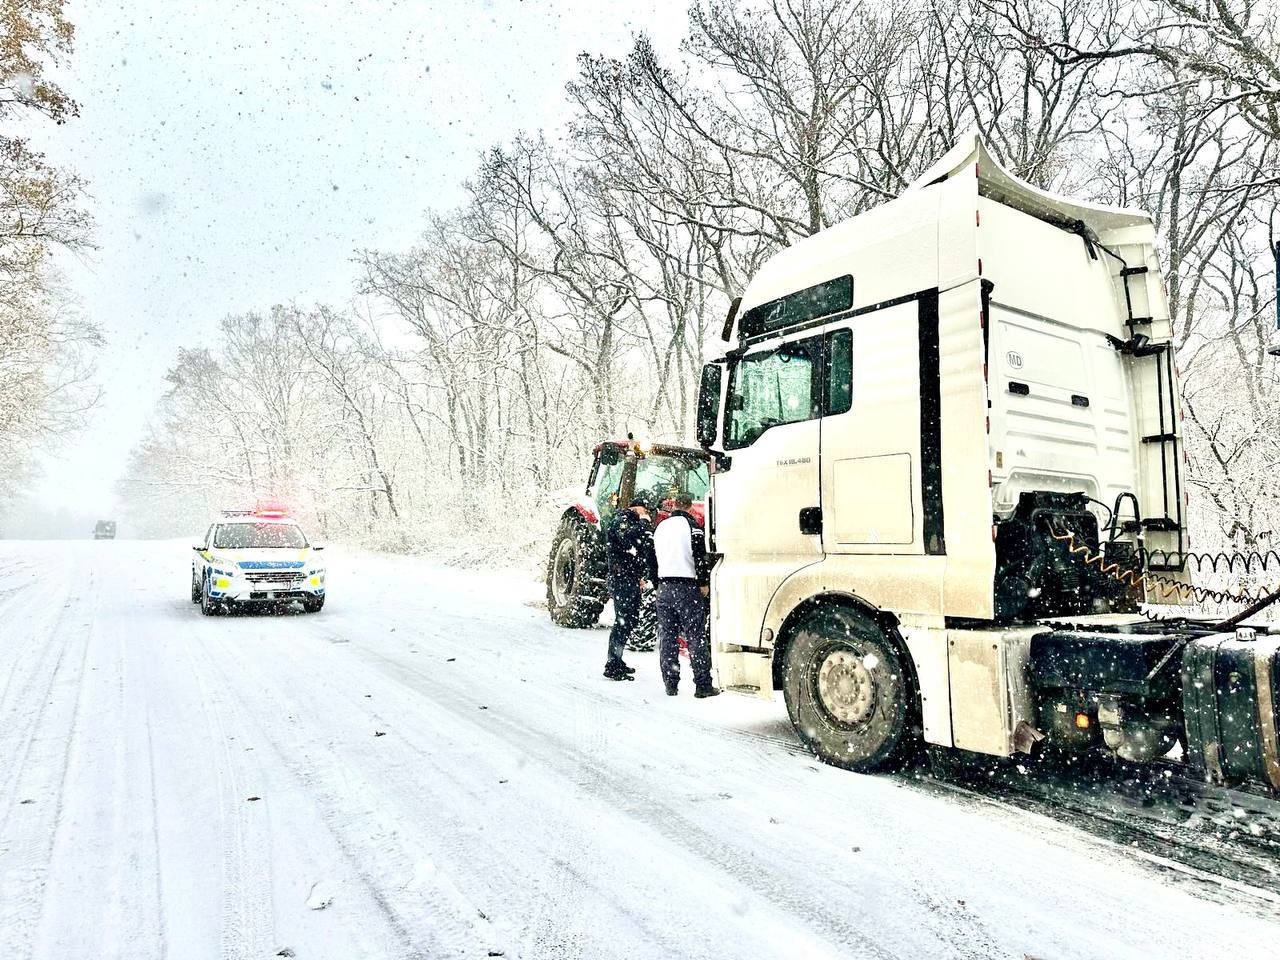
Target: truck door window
839,373
771,388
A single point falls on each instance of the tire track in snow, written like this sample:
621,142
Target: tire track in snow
330,782
102,886
658,815
37,760
247,927
566,884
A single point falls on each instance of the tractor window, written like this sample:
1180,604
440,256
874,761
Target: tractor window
608,477
772,388
664,476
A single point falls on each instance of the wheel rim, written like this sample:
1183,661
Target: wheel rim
845,687
564,571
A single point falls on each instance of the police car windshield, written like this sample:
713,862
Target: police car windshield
255,536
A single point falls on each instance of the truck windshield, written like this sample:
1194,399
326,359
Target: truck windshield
255,536
772,388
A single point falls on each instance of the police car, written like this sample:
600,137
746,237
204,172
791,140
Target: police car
256,557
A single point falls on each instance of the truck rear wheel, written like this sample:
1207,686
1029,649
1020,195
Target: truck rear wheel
847,690
576,589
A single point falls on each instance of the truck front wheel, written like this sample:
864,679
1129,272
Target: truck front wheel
576,590
847,690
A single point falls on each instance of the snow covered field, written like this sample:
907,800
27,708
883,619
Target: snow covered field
430,769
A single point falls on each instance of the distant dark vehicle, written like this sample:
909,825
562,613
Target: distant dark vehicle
104,530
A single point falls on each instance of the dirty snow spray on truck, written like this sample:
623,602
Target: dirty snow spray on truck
948,472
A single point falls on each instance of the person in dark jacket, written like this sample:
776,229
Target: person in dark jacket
684,578
629,548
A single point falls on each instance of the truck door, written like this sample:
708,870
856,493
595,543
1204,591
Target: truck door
766,505
878,479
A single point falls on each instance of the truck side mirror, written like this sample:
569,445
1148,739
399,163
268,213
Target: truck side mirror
709,404
609,454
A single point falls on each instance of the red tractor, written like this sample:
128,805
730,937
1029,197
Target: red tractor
622,469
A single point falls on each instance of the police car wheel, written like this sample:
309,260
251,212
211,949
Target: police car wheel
848,691
208,606
195,588
310,605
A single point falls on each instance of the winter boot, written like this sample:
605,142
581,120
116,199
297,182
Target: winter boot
673,687
617,671
703,692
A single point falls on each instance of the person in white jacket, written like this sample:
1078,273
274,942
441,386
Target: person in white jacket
683,587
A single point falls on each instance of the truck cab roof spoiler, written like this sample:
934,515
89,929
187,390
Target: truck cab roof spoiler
999,184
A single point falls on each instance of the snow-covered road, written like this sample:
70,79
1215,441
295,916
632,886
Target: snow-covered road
429,768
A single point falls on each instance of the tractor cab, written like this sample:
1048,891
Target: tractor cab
624,469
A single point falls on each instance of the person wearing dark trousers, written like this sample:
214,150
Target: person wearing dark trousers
683,586
629,548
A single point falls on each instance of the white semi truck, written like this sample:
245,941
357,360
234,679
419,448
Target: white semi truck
949,469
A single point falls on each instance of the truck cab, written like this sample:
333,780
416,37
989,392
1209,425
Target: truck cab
929,419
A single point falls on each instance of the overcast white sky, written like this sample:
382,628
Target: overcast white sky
239,152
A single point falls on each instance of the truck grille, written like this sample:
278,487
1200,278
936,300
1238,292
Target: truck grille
288,578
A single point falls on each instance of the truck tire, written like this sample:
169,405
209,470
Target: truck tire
576,590
847,690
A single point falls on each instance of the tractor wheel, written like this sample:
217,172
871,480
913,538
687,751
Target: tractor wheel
645,635
576,589
847,690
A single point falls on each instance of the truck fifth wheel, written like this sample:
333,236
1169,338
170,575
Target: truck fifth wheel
949,470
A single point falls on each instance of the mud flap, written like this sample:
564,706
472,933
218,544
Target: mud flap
744,671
